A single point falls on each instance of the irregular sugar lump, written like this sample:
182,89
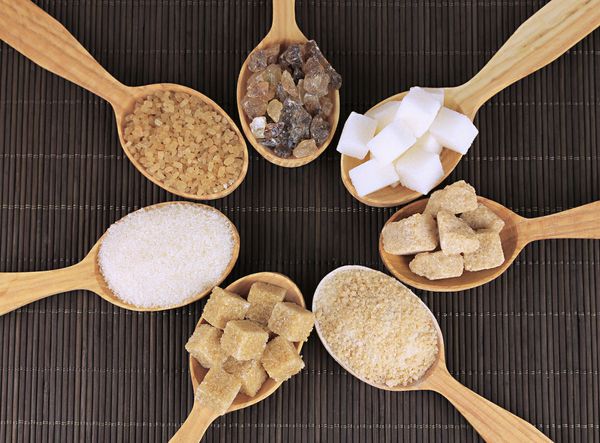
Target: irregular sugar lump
165,255
205,346
372,176
456,198
263,297
418,110
436,93
250,373
483,218
244,339
419,170
224,306
358,131
281,360
218,390
417,233
384,114
456,237
428,143
437,265
393,141
454,130
489,254
291,321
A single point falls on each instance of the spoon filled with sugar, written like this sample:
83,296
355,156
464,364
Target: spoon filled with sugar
175,136
384,335
541,39
305,107
156,258
518,232
201,416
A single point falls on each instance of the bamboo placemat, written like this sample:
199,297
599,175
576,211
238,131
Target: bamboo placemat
74,368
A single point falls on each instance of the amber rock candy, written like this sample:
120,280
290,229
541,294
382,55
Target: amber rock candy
489,254
250,373
257,127
320,129
274,110
205,346
437,265
224,306
281,360
483,218
305,148
254,106
218,390
456,236
244,339
411,235
263,297
291,321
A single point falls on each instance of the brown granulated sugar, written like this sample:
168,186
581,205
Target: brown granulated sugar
375,326
184,143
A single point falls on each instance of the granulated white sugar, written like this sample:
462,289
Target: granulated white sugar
161,257
375,326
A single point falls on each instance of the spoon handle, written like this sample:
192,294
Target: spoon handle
21,288
194,426
544,37
42,39
580,222
284,25
492,422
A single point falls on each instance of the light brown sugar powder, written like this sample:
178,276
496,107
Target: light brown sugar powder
375,326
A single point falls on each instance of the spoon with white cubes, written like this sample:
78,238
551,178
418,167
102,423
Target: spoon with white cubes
406,145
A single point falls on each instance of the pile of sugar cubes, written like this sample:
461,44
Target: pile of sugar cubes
468,242
405,139
234,344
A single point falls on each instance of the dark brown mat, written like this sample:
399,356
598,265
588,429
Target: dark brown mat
74,368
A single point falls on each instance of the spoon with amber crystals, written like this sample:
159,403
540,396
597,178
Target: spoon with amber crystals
42,39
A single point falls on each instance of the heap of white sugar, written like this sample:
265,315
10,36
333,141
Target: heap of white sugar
161,257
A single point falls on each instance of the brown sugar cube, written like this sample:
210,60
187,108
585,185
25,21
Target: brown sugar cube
456,236
456,198
223,306
488,255
244,339
417,233
281,360
218,390
437,265
483,218
205,346
251,374
291,321
263,297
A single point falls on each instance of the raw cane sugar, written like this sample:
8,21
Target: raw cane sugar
224,306
291,321
263,297
217,390
205,346
437,265
414,234
250,373
244,339
281,360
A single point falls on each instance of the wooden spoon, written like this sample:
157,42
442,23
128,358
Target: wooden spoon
493,423
42,39
284,31
581,222
200,417
21,288
545,36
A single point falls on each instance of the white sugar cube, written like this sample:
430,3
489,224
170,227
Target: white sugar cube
358,131
384,114
419,170
429,143
418,110
372,176
438,93
454,130
393,141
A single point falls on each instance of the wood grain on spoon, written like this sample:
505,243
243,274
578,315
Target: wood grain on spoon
284,31
544,37
45,41
492,422
18,289
200,418
580,222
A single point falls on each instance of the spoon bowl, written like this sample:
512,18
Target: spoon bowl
491,421
581,222
21,288
284,31
201,417
541,39
42,39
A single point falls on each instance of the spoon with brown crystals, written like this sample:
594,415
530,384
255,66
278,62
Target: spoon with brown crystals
284,31
42,39
518,232
492,422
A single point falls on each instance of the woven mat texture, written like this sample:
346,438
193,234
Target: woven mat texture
74,368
